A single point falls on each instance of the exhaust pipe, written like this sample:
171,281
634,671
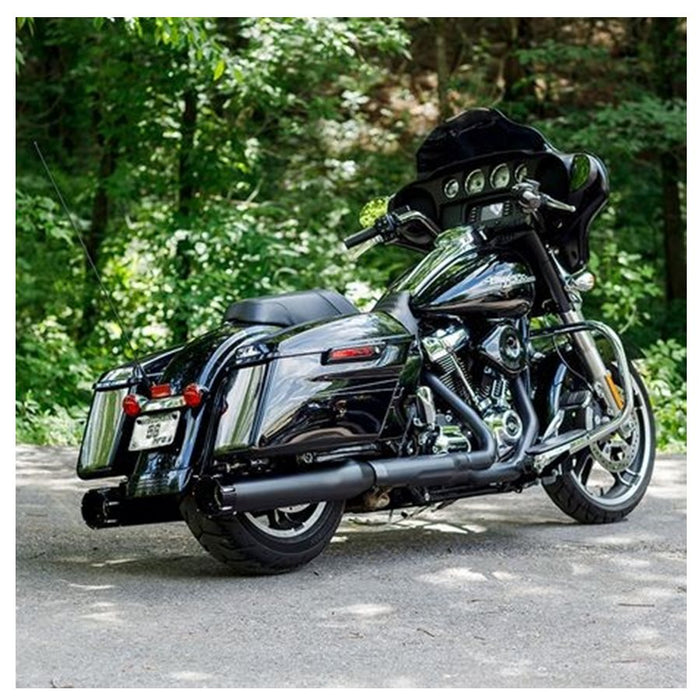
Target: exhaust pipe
108,507
216,497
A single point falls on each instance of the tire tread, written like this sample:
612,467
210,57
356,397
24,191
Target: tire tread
228,542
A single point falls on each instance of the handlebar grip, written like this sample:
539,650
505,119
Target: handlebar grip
360,237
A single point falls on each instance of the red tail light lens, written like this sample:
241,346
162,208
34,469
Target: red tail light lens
361,352
193,395
131,405
160,391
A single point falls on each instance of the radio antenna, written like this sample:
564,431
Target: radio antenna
125,338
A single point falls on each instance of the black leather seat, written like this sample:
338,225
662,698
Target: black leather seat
290,309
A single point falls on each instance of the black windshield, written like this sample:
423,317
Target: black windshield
474,133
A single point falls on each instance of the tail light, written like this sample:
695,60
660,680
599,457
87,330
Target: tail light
160,391
359,352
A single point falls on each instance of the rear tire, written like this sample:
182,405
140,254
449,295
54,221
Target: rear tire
273,542
592,493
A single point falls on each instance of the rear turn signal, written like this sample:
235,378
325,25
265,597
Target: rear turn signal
193,395
360,352
131,405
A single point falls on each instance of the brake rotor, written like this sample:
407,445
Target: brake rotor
617,452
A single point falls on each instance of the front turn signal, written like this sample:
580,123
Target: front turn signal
583,282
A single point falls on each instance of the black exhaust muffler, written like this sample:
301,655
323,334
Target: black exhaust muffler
108,507
217,496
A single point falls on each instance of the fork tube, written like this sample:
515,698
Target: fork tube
588,352
584,342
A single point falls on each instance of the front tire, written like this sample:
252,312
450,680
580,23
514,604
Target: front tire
270,542
593,490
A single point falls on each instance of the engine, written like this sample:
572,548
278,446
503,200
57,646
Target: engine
478,373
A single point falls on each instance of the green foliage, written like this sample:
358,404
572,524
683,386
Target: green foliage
626,287
554,53
664,372
636,127
53,385
294,124
49,426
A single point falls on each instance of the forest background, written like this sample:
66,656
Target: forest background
210,159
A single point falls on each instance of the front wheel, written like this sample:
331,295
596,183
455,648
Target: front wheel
605,482
269,542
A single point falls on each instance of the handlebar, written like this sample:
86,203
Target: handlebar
531,199
385,228
360,237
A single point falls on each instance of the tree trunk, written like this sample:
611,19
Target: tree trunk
443,73
186,195
674,239
518,86
93,239
663,40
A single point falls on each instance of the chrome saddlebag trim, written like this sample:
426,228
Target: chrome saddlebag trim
105,423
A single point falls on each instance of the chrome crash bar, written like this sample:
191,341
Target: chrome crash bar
582,441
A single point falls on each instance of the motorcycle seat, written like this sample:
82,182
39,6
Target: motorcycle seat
290,309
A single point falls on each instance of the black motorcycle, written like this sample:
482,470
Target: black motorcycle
476,373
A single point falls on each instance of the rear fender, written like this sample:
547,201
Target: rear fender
207,361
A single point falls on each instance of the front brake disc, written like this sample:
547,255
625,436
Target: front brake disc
616,453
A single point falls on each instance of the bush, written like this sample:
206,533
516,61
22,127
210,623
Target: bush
664,372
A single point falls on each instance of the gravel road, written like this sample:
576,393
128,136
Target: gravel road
496,591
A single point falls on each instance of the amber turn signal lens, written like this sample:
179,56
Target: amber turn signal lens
614,391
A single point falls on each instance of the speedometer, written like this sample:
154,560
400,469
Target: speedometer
475,182
521,172
500,177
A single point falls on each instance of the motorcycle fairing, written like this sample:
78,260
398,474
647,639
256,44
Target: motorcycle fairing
474,133
481,139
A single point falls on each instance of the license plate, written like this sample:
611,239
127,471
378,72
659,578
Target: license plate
153,431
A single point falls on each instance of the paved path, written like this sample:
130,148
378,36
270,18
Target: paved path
493,591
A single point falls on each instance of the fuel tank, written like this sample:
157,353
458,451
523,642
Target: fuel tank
460,276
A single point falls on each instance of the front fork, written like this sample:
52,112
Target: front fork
567,300
602,380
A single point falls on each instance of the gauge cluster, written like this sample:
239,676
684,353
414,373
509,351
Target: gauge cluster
487,178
